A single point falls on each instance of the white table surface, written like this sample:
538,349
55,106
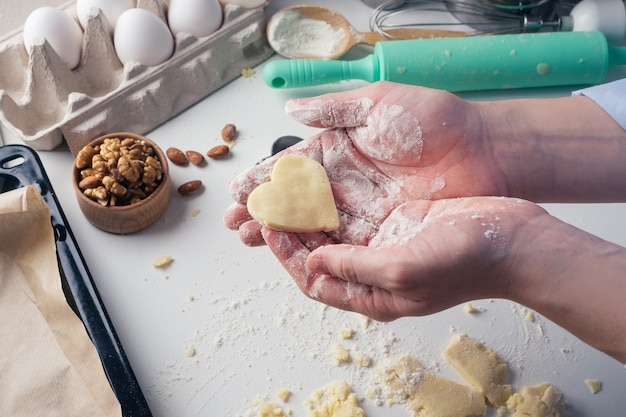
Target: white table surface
254,333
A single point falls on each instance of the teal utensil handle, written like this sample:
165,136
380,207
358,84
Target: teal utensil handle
309,72
466,64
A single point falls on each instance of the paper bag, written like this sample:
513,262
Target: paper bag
48,365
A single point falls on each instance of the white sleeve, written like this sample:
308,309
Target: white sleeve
610,96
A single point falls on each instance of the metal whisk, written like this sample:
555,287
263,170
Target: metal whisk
476,16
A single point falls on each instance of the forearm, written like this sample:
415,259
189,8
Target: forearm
562,149
575,279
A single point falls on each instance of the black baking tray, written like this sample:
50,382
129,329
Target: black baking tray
20,166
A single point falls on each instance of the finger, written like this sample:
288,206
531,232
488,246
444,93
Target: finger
235,215
352,263
376,303
291,253
364,288
346,109
250,233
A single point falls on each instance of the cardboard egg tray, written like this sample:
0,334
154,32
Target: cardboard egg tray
43,101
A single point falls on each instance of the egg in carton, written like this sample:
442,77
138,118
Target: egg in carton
43,101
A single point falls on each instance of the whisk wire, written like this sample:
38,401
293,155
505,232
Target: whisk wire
474,16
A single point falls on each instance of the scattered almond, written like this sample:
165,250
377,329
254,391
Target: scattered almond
229,132
218,151
194,157
176,156
189,187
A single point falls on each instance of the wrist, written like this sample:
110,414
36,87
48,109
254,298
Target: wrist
574,279
561,149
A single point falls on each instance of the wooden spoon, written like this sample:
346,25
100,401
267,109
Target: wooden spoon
316,32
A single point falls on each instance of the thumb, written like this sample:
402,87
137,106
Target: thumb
331,110
347,262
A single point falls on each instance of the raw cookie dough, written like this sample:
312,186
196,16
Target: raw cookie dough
340,354
298,198
594,385
271,410
538,401
335,400
428,395
481,367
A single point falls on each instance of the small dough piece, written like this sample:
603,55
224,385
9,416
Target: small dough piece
481,367
346,333
334,400
162,261
538,401
340,354
298,198
284,394
594,385
268,409
428,395
471,309
361,359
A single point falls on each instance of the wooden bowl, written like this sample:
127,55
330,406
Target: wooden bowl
123,219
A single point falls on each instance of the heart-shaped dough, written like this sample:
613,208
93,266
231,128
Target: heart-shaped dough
298,198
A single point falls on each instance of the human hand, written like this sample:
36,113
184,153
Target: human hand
424,257
385,144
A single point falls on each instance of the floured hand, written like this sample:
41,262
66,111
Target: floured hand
425,256
386,144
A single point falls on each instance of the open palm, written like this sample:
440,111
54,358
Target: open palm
383,145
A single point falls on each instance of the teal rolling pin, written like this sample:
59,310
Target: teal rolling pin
465,64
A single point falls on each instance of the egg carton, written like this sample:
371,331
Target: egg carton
42,101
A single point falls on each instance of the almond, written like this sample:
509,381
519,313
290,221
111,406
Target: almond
194,157
229,132
176,156
218,151
189,187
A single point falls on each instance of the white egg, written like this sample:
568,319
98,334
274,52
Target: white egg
141,36
197,17
59,29
112,9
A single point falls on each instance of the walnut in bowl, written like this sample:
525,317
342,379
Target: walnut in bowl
122,182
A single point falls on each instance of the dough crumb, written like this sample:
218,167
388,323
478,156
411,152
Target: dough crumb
284,395
268,409
541,400
471,309
595,385
334,400
346,333
195,212
190,351
162,261
530,316
481,367
365,322
361,359
340,354
247,72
